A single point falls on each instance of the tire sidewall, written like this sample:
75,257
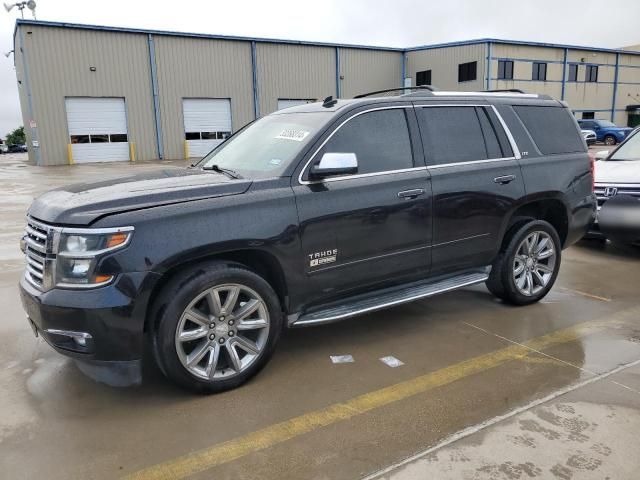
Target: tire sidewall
508,281
178,296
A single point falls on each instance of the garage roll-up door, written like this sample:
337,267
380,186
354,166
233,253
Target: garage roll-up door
207,122
97,129
286,103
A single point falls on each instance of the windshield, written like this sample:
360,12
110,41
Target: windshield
630,150
267,147
606,123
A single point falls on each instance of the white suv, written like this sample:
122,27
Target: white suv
617,186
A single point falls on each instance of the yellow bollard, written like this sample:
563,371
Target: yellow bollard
186,150
70,154
132,152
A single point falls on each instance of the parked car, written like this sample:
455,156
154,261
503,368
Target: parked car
4,148
589,137
617,187
307,216
607,132
17,148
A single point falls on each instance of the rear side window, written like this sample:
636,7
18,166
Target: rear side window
458,134
552,128
380,140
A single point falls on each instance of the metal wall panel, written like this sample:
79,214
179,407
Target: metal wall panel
201,68
294,71
369,70
59,63
443,63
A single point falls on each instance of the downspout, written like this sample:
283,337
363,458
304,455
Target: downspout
27,85
254,73
156,100
404,69
488,66
338,82
564,72
615,88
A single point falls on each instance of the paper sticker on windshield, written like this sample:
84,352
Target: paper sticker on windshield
292,134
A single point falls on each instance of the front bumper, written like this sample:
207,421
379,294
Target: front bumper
109,318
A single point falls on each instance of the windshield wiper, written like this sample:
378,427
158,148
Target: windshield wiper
227,171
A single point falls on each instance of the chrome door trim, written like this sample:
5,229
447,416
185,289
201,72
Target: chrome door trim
363,175
512,143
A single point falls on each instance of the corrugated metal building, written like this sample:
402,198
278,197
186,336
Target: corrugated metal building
92,93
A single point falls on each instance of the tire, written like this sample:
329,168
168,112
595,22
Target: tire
519,276
216,326
610,140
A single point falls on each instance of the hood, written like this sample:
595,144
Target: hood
82,204
618,171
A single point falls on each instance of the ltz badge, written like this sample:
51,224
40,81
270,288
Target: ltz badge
322,258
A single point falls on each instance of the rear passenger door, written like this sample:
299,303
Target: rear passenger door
476,181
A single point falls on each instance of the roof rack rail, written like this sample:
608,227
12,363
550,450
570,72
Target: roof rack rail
419,87
506,90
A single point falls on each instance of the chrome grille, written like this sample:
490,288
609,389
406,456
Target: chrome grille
601,189
38,240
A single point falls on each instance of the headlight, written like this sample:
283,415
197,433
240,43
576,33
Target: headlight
79,251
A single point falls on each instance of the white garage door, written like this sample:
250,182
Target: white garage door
97,129
207,122
286,103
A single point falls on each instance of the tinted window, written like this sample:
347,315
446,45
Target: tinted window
451,134
573,72
539,71
591,73
380,140
505,69
423,78
467,71
552,129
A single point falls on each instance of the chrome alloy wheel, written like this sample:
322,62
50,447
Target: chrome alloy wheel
534,263
222,331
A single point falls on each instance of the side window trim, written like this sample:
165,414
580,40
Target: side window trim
307,165
514,147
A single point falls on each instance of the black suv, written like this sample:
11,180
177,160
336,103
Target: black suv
309,215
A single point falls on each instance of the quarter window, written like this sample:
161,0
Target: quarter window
591,74
539,71
458,134
380,140
505,69
552,128
423,78
573,72
467,71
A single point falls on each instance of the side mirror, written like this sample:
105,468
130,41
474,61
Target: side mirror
334,164
602,154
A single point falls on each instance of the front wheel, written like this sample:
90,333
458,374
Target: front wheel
610,140
528,267
217,327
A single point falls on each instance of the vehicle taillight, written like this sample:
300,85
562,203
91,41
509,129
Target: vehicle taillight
592,160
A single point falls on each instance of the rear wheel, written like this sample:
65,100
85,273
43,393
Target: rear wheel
609,140
528,267
218,328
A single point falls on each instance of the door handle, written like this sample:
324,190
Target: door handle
503,180
410,194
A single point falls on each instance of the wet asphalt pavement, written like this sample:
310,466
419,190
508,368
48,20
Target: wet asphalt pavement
487,391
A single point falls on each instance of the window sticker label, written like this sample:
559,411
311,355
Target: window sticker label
293,134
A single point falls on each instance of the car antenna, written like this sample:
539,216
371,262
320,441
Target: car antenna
329,102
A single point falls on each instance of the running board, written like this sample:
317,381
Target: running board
388,298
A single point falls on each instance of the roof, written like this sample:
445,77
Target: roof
79,26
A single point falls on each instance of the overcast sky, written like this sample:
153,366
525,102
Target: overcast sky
396,23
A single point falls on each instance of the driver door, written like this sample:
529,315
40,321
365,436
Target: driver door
369,227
